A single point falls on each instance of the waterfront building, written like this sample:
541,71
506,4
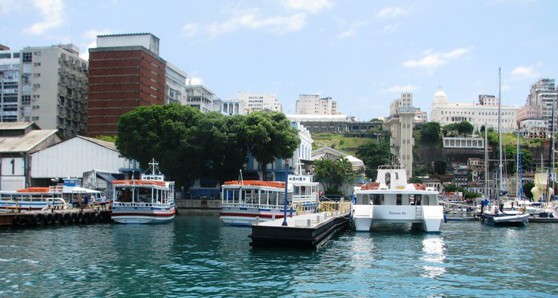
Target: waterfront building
201,98
175,85
53,88
260,101
483,113
18,141
312,104
9,83
534,128
97,161
125,72
400,126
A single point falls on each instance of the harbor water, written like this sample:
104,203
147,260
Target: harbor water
197,256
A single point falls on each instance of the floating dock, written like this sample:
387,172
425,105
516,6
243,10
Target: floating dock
54,217
302,231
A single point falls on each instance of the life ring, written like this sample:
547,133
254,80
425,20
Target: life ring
48,219
79,217
73,217
56,218
39,219
66,218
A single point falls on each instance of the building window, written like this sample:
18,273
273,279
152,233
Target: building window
27,57
26,100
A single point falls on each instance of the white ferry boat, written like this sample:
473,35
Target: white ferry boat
147,200
245,202
391,200
61,196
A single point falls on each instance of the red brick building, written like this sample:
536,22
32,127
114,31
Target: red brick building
125,71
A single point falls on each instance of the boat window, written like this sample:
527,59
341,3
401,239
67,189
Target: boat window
378,199
365,200
388,180
418,199
399,199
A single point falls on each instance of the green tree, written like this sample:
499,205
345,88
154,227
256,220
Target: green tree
527,186
269,135
430,133
164,133
333,174
374,155
452,188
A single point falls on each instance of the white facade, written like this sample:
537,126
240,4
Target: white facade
534,128
483,113
312,104
260,101
234,107
543,97
146,40
53,88
9,82
201,98
75,156
400,126
175,85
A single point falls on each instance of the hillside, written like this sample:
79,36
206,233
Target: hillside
338,142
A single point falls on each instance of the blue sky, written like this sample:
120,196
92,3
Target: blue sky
362,53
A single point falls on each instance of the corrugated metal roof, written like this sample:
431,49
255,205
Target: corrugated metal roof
26,142
105,144
17,125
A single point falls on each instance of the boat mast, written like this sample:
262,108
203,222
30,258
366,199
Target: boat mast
550,180
486,161
500,165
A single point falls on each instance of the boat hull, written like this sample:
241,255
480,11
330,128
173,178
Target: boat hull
138,216
505,220
249,216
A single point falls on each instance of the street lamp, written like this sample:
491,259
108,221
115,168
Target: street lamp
286,199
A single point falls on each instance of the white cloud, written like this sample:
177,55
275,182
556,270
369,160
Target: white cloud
91,39
391,28
52,12
433,60
311,6
7,6
352,30
390,12
194,81
191,29
401,89
523,71
251,19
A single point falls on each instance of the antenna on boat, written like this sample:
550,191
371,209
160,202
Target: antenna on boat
240,179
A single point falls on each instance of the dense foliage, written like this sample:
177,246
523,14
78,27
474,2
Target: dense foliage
430,133
333,174
374,154
463,128
189,144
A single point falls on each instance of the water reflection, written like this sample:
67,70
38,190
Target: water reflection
434,256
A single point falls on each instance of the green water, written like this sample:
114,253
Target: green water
197,256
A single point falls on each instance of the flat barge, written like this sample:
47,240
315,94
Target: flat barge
54,217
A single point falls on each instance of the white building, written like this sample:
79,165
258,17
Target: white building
485,112
234,107
9,82
540,103
201,98
312,104
53,88
260,101
175,85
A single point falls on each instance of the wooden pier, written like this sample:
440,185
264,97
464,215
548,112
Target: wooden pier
21,218
302,231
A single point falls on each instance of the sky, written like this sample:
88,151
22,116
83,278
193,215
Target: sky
361,53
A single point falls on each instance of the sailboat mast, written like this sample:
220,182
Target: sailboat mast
500,165
486,161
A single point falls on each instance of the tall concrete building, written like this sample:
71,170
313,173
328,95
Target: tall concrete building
400,126
260,101
175,87
541,104
125,71
9,82
312,104
53,88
